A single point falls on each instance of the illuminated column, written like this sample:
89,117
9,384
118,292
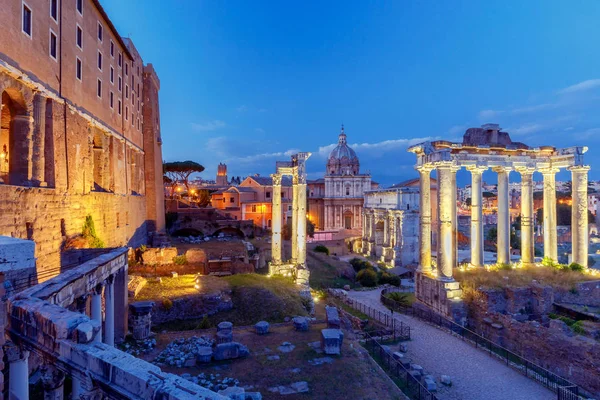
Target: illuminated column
18,383
454,218
579,214
550,240
294,229
503,228
39,131
276,220
446,229
476,216
425,218
527,217
19,157
97,310
301,254
109,303
386,231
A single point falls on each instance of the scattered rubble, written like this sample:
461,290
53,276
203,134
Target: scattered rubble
180,351
138,347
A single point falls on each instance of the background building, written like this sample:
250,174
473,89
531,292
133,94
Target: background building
80,131
344,188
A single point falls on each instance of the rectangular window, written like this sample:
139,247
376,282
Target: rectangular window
126,69
27,20
132,120
138,124
120,58
132,99
253,208
112,75
99,89
120,84
138,105
126,91
112,49
54,10
79,37
100,31
78,69
126,113
52,45
79,4
100,61
112,100
138,89
119,106
138,70
268,195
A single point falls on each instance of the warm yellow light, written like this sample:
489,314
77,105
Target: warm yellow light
179,189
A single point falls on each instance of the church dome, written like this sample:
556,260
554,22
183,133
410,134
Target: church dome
342,159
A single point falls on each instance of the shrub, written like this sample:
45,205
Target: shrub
402,299
167,303
576,267
367,277
504,267
89,233
577,327
180,260
360,264
391,279
322,249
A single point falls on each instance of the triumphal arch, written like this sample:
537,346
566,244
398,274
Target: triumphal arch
482,149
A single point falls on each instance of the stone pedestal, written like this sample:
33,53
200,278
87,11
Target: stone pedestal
262,327
333,317
331,341
442,296
140,319
301,324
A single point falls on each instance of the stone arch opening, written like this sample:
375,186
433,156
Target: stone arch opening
348,219
229,231
14,138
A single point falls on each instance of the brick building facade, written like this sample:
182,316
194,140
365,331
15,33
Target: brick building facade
80,130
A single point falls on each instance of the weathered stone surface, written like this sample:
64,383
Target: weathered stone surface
228,351
332,317
234,393
224,337
331,341
286,347
86,331
204,355
262,327
192,307
300,387
135,285
430,384
195,256
446,380
225,326
160,256
301,323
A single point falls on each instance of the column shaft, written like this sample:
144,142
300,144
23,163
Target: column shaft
454,219
97,311
386,232
294,233
18,381
109,302
550,239
476,218
446,207
301,223
276,220
527,217
19,157
579,214
425,219
503,227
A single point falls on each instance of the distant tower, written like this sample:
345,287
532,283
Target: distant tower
222,175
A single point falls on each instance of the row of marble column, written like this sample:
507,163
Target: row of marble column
447,250
298,231
391,226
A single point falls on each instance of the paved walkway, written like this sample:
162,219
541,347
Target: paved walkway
475,375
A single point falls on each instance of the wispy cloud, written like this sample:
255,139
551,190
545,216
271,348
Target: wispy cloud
208,126
265,156
380,147
533,109
525,129
581,86
242,108
489,114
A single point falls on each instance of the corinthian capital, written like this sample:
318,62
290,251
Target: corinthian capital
276,179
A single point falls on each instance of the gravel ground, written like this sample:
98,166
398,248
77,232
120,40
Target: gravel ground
475,375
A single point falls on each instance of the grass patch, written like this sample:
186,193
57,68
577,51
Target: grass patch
520,277
326,275
181,286
258,297
404,299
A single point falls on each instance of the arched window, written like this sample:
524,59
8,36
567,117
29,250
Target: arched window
14,133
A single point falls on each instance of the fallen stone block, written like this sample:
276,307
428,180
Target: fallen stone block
430,384
416,367
403,347
231,350
204,355
397,355
286,347
300,387
446,380
405,362
234,393
331,341
253,396
332,317
301,323
262,327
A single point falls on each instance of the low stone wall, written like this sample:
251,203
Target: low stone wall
191,307
160,256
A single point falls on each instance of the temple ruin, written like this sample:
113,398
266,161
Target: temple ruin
296,265
486,148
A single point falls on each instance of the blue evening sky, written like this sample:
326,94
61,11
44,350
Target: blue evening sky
248,82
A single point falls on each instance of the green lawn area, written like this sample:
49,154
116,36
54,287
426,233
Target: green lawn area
325,274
